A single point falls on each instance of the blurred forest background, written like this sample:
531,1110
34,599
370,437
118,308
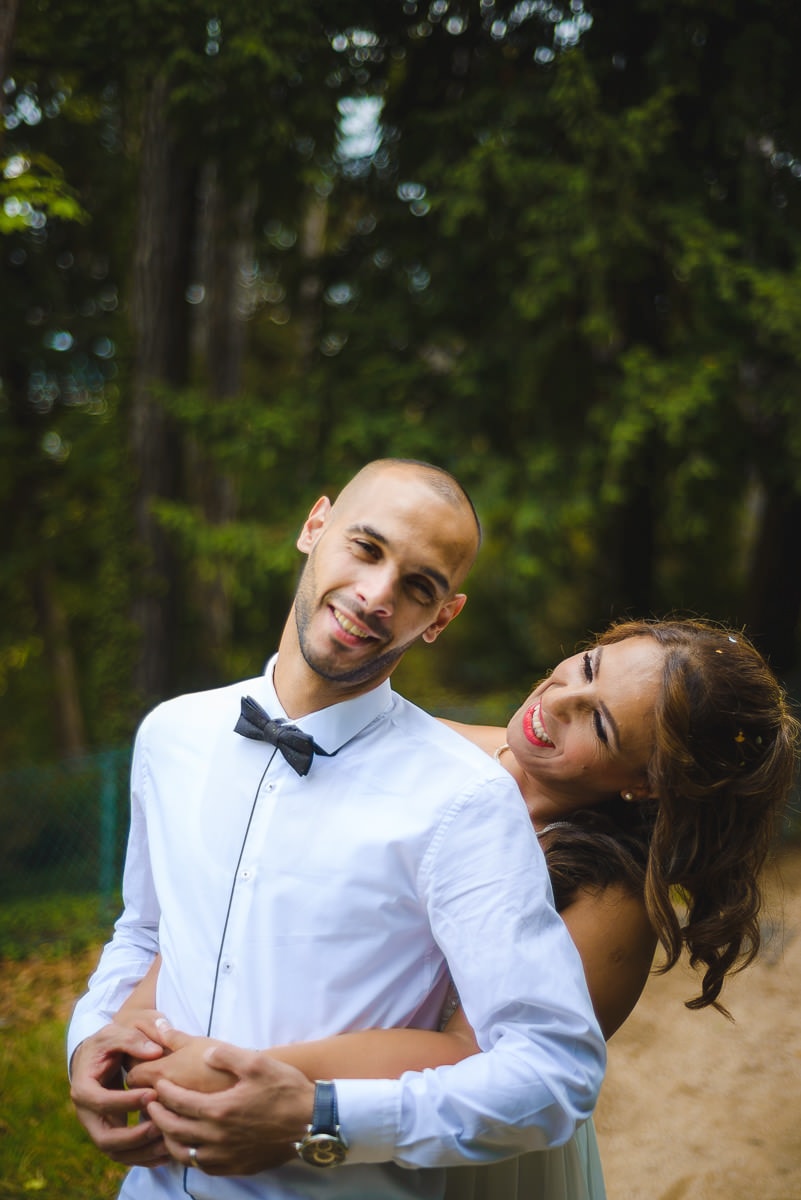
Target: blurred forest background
246,247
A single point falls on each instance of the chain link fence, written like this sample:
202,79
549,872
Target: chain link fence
63,826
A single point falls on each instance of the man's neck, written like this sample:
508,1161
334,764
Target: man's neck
300,689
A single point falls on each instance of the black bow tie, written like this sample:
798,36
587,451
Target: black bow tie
297,747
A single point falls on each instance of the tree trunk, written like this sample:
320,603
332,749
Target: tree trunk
164,243
774,584
636,552
28,501
226,252
309,319
225,242
66,706
312,245
630,579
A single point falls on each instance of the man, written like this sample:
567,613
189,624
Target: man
289,906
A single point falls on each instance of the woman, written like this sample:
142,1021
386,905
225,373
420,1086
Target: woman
654,766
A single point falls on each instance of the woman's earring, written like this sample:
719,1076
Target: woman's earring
627,796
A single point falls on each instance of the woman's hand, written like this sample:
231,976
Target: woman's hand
183,1062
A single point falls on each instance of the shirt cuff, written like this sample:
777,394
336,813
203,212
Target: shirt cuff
80,1029
369,1117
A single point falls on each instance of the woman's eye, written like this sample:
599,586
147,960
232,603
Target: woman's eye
587,667
600,728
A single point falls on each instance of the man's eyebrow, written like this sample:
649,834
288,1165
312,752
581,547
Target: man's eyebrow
431,572
607,715
368,531
436,577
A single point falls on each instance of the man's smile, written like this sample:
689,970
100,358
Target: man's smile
348,625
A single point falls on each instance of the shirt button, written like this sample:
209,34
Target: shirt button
245,874
227,966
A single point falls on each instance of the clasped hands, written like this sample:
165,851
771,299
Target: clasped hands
240,1109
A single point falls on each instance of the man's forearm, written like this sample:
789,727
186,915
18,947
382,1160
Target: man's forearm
490,1106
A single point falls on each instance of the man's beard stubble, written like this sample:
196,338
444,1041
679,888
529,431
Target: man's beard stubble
305,606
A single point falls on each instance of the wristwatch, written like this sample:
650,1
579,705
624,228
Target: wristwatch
323,1144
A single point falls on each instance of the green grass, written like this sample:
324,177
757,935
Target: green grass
54,925
43,1150
47,949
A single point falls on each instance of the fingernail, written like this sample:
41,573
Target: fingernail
163,1024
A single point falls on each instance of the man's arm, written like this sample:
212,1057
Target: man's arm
524,992
521,983
97,1046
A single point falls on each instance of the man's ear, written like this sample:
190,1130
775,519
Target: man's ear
313,525
450,609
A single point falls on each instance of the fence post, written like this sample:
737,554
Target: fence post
108,823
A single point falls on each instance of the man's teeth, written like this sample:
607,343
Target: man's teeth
538,727
348,626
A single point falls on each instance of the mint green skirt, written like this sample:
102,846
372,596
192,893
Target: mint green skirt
569,1172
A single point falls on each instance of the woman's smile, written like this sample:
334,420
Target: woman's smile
534,726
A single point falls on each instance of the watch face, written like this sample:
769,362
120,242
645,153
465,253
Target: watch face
322,1150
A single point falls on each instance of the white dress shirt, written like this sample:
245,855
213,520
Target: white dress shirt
287,908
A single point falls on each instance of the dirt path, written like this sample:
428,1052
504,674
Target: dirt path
697,1108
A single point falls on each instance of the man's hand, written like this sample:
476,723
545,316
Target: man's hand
103,1106
248,1127
145,1021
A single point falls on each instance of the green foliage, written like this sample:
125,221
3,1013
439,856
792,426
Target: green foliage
569,271
35,187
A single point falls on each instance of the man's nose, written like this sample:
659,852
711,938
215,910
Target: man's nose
377,590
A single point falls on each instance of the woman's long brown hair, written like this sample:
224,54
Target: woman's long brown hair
720,777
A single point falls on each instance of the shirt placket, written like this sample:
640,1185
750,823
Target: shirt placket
235,966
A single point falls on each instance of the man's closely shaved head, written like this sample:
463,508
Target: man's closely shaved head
445,485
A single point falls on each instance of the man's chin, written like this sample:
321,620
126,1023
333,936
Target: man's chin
338,670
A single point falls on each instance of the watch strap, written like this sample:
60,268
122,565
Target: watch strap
325,1115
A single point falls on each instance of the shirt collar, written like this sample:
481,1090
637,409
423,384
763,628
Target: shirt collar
335,725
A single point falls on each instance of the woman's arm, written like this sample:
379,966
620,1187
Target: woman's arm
362,1054
613,937
487,737
381,1053
142,999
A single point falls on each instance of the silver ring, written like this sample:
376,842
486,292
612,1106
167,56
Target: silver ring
193,1157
